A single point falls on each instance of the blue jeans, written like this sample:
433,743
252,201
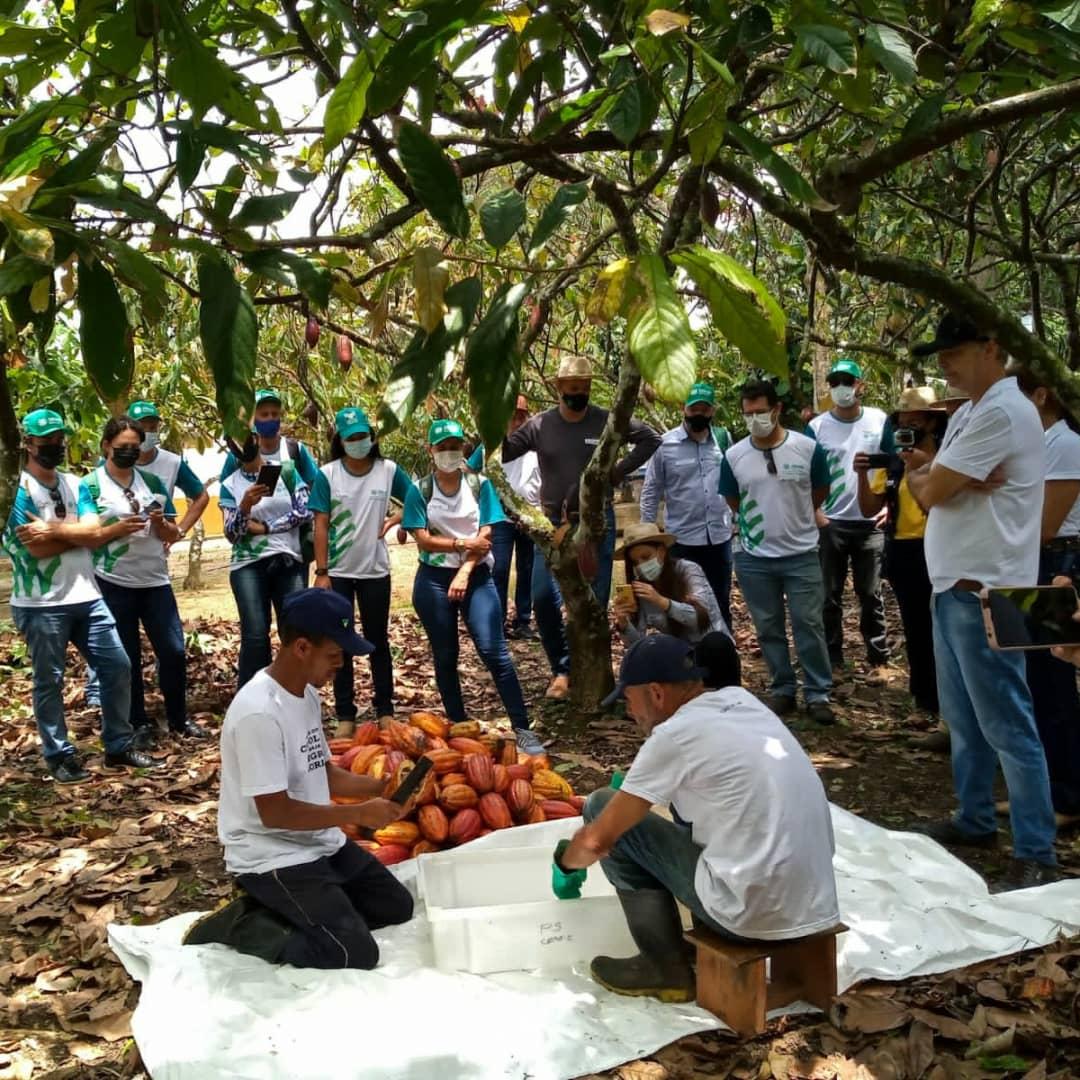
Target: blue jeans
256,586
372,597
987,705
155,608
92,629
547,599
483,618
506,539
654,854
764,583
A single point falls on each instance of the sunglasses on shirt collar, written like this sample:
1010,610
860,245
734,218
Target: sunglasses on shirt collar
770,461
59,506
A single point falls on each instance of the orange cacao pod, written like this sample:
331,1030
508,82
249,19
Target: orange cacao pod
465,826
484,832
536,815
428,792
535,761
468,746
502,779
406,738
519,798
362,761
464,729
339,746
494,811
383,738
509,753
479,772
491,740
424,847
519,772
451,778
405,833
444,761
389,854
434,824
458,797
346,759
550,785
366,733
435,743
430,724
556,808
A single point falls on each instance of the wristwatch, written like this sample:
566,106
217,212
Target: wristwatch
459,544
321,571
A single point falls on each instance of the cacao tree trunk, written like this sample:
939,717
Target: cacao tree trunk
9,442
194,580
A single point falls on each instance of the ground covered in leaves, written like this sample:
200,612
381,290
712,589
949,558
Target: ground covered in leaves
144,848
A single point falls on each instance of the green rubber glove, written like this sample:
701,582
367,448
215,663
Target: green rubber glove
565,884
617,778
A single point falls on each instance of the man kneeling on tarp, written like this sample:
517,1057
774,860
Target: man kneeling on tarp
310,897
750,849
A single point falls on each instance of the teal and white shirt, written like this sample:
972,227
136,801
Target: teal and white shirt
174,472
776,511
67,578
842,440
357,507
282,513
459,515
137,561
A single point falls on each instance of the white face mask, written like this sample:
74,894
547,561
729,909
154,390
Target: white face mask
448,460
151,441
649,570
358,448
761,425
843,396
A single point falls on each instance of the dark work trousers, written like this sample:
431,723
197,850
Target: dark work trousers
905,569
333,903
372,597
715,562
1057,705
507,543
860,545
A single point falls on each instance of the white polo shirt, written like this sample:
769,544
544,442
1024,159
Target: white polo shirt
1063,463
842,440
992,538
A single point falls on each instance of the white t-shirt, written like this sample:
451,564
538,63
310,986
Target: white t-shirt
137,561
990,538
250,548
757,808
459,515
843,439
1063,463
271,741
776,510
523,475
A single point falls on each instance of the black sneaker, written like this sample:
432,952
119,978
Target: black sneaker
1026,874
821,713
145,738
191,730
781,704
68,770
950,834
245,925
131,759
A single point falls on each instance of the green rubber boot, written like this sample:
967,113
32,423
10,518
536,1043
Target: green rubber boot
661,969
244,925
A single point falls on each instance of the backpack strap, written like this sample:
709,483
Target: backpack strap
288,474
474,480
294,449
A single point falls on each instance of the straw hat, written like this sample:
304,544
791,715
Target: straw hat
917,399
642,532
574,367
953,393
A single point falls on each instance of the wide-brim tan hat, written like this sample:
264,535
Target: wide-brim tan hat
642,532
574,367
917,399
953,393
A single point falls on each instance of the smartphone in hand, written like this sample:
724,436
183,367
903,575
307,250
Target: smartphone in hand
268,476
1030,617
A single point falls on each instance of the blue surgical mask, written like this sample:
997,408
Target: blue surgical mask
267,429
358,448
649,570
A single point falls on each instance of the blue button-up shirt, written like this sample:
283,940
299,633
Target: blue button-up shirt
685,474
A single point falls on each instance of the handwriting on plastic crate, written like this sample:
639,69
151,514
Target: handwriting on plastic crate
551,933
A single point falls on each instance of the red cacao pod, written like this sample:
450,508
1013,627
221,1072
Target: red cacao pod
405,833
519,772
366,733
406,738
465,826
436,743
312,331
502,779
556,808
434,824
339,746
494,811
520,798
444,761
346,759
368,845
458,797
343,349
508,754
577,802
430,724
485,832
536,815
389,854
468,746
479,772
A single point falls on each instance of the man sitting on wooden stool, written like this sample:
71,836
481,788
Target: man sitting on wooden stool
750,849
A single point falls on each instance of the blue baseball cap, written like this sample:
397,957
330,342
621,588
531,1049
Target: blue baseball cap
658,658
324,613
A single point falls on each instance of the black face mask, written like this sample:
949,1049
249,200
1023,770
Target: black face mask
576,402
698,422
125,457
49,455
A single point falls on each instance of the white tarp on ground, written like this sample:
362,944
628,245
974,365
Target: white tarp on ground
207,1012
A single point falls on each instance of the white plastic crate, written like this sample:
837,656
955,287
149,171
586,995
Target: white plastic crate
491,907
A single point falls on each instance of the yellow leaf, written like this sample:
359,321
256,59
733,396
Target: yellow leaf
17,193
39,295
608,293
66,288
430,278
35,240
379,314
518,18
661,21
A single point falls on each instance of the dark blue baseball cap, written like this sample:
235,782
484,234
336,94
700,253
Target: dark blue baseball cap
658,658
325,613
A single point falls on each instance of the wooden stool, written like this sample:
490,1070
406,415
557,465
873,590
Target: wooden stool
732,983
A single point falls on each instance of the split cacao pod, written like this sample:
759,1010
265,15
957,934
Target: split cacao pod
366,733
398,776
405,833
479,772
502,779
433,823
555,809
494,811
464,729
465,826
424,847
428,792
519,798
430,724
406,738
389,854
362,762
458,797
468,746
550,785
444,761
385,766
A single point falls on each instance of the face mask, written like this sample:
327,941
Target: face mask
50,455
449,460
151,441
761,425
576,402
649,570
246,453
124,457
697,422
358,448
843,396
268,429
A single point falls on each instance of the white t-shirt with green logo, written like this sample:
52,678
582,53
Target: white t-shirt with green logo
67,578
459,515
137,561
776,510
268,509
842,440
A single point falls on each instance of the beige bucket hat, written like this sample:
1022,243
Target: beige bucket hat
642,532
574,367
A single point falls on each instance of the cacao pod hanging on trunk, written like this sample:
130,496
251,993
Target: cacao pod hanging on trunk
343,348
312,331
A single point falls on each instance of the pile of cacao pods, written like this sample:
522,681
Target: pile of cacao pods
478,783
